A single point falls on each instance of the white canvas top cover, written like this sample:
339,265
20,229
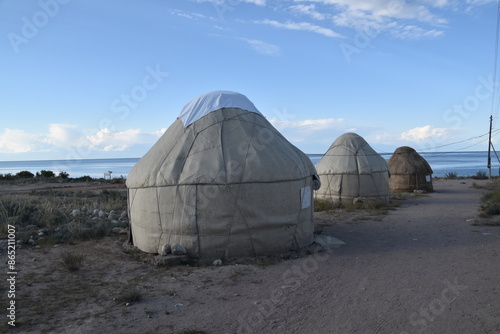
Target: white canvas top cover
352,169
204,104
227,185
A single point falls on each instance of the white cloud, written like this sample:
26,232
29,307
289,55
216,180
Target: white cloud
479,2
19,141
308,124
309,10
426,132
437,3
378,9
65,137
108,140
402,19
263,47
303,26
256,2
414,32
62,134
234,3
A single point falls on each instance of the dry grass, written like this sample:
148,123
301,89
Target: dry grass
51,211
130,295
372,207
72,261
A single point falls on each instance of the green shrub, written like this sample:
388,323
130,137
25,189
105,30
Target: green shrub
7,176
324,205
131,295
25,174
63,175
493,209
84,178
481,175
491,197
450,175
72,261
46,173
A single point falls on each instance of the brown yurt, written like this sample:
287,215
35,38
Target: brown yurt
409,171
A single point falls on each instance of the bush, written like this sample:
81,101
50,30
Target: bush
130,296
63,175
25,174
324,205
71,261
481,175
450,175
493,209
6,177
84,178
46,173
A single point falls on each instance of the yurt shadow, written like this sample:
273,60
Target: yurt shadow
376,238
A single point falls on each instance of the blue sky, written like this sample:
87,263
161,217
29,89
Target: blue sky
104,79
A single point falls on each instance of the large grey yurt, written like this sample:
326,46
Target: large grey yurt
222,182
409,171
351,169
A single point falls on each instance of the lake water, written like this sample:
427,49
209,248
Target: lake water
462,163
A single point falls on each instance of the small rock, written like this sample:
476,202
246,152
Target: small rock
96,212
127,304
114,222
124,214
124,231
178,249
113,216
165,249
102,214
116,230
75,213
179,305
218,262
358,200
41,234
31,227
31,241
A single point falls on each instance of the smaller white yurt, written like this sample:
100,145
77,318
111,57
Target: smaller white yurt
222,182
351,169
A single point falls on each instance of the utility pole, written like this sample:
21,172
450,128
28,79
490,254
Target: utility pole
489,150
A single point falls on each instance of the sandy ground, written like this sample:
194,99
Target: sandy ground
422,268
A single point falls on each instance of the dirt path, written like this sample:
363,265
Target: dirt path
423,268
